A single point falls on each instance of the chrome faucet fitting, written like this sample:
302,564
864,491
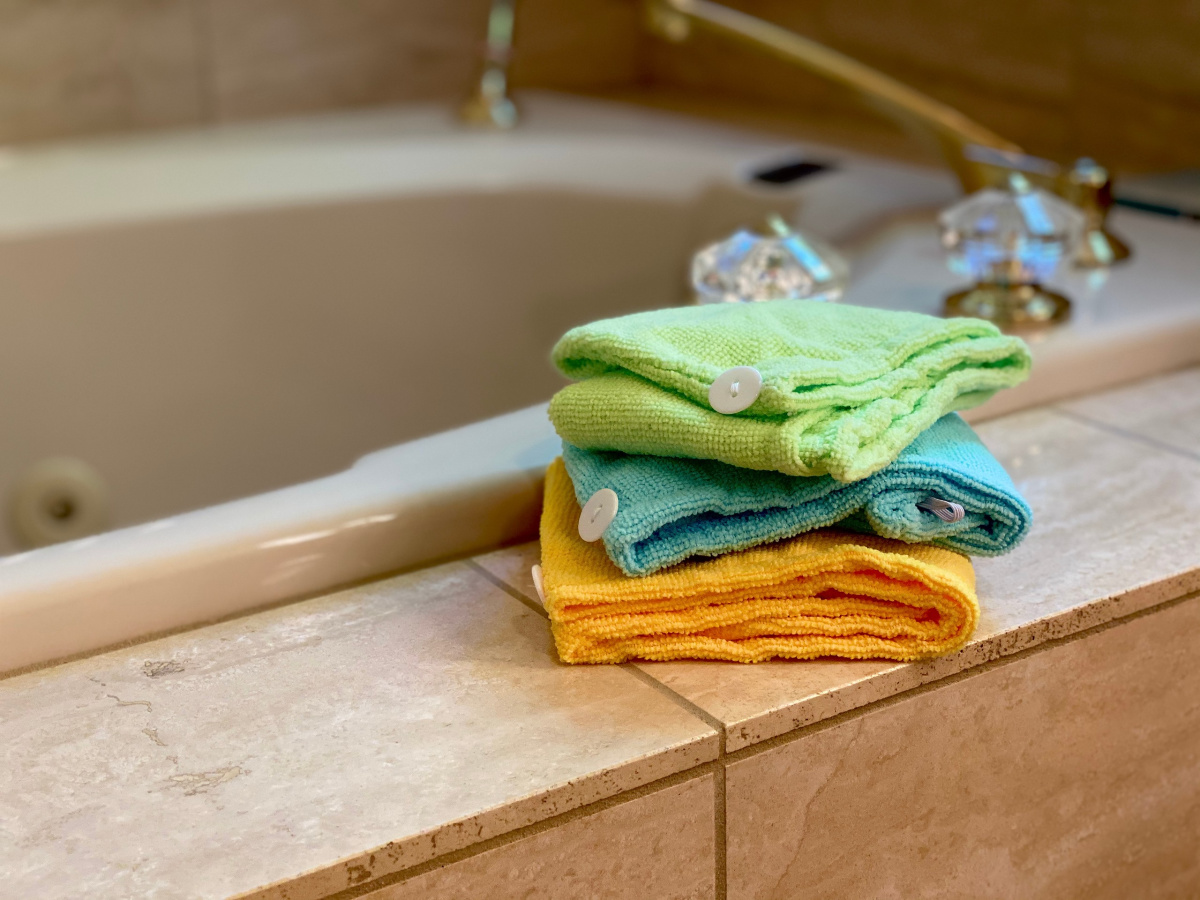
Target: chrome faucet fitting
489,104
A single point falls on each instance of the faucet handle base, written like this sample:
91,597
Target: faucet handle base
1013,307
1099,247
1088,185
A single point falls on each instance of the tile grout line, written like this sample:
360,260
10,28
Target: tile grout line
719,844
508,589
525,831
720,848
679,700
719,765
1121,432
804,731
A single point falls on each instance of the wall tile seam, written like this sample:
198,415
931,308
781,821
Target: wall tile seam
525,831
720,844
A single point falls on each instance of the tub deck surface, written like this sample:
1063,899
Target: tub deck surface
415,736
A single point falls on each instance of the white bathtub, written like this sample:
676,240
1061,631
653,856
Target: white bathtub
211,316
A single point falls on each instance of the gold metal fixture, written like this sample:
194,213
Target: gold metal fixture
1014,307
978,156
489,105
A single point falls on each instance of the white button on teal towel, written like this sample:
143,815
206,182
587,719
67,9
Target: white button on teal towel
735,389
598,513
536,572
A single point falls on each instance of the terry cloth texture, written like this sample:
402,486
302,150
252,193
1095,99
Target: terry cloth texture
824,593
670,509
845,388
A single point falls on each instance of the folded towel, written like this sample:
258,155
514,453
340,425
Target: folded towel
670,509
843,388
824,593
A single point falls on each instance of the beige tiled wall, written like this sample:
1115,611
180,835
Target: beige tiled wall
1062,77
271,57
659,846
1070,773
71,67
77,66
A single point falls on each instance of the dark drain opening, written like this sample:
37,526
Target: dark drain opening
790,172
61,508
57,499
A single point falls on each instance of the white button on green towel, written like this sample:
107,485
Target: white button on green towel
598,513
735,389
536,572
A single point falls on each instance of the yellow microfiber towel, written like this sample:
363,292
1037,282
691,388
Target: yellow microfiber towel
824,593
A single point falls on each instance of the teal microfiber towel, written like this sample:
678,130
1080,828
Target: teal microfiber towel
669,509
844,388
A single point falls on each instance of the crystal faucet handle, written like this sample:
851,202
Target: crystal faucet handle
783,265
1009,240
1017,234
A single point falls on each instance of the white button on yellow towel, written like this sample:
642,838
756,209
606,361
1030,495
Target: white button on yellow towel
597,514
538,584
735,389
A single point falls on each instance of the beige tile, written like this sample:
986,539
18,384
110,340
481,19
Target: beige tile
1019,49
70,67
658,846
346,737
1166,410
1150,45
1072,772
1137,67
577,45
1115,528
1010,69
1157,131
1053,76
279,57
1115,531
513,566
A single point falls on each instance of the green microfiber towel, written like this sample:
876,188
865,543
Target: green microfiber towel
844,388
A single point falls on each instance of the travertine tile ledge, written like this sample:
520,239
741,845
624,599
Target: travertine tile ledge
351,744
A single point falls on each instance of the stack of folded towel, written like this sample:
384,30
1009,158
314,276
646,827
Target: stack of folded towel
708,450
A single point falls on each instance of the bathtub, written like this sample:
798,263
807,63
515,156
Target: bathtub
259,341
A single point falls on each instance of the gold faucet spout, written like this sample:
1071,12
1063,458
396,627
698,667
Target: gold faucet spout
977,155
954,132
